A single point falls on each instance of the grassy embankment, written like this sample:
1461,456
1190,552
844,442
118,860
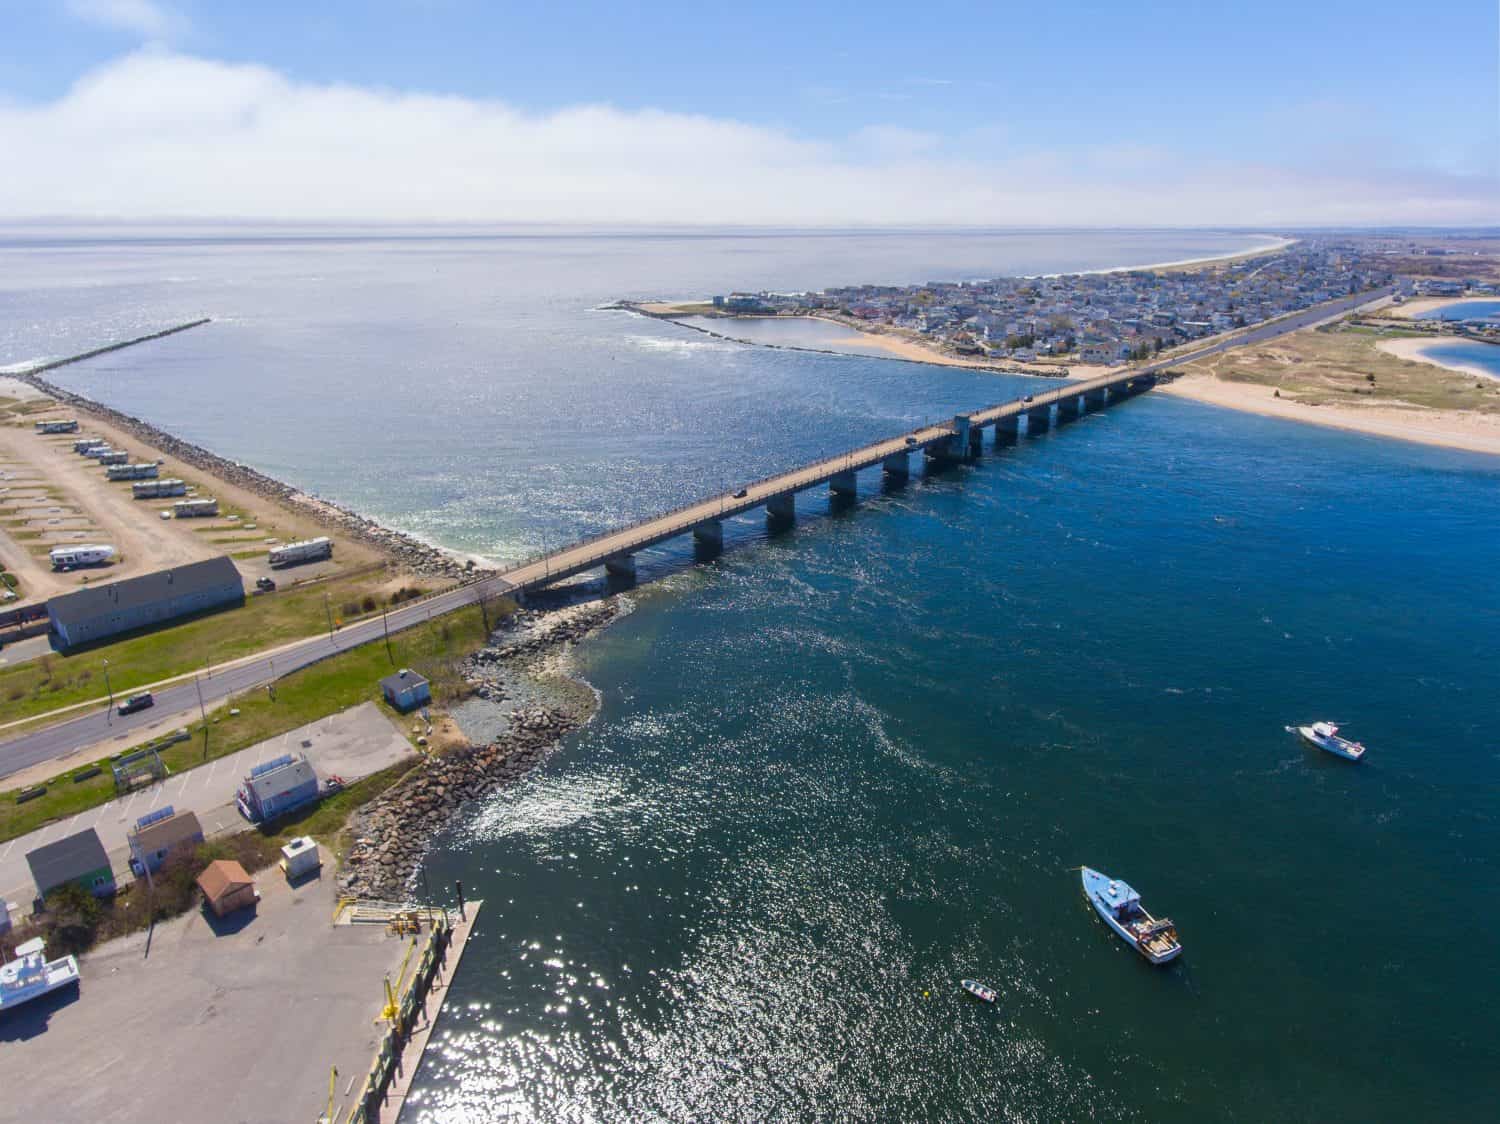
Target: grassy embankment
1341,365
434,649
55,680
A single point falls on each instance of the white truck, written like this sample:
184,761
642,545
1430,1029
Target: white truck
310,550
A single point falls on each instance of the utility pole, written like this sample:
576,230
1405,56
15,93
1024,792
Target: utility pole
271,686
109,715
386,624
328,609
203,710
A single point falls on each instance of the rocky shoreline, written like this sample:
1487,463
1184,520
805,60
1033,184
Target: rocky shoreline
402,548
392,832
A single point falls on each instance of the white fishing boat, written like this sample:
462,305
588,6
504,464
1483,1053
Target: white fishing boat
1325,735
979,990
31,975
1120,906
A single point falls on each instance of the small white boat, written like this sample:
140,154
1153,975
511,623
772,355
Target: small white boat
31,975
979,990
1120,906
1325,735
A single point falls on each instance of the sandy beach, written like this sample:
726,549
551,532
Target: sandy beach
1419,306
1420,351
1478,433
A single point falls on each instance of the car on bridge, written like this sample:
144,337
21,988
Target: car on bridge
741,494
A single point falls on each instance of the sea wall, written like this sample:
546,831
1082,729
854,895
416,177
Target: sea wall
393,832
415,555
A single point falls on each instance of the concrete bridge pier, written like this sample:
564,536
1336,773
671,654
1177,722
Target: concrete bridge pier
710,533
1120,390
1068,409
897,466
1007,429
1094,399
620,566
843,484
976,441
1039,419
782,508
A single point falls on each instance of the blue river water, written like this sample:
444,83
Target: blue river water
841,767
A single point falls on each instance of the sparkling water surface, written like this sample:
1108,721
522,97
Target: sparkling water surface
841,767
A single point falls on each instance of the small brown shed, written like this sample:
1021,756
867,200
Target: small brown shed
226,887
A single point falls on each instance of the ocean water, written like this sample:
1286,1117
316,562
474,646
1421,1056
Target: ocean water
842,767
1464,310
1468,353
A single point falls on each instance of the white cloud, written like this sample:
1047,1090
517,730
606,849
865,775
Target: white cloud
145,18
158,134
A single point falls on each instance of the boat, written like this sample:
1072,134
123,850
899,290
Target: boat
1325,735
979,990
31,975
1120,906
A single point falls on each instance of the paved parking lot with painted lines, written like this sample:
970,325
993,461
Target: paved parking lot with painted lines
352,744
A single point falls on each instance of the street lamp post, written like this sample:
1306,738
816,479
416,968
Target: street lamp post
328,609
109,714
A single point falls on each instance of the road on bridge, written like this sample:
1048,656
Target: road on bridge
89,729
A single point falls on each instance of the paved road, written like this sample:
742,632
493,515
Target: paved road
67,737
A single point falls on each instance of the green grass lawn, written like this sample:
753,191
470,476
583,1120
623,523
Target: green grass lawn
434,649
56,680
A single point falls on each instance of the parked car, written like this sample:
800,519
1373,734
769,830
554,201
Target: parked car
265,584
911,440
137,702
742,493
1027,398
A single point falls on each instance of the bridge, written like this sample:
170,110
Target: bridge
960,439
945,443
615,550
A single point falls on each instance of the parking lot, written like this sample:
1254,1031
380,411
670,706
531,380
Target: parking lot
232,1020
352,744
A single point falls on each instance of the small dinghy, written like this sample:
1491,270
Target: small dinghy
979,990
1325,735
1120,906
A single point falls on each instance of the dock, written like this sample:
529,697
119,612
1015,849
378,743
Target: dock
383,1095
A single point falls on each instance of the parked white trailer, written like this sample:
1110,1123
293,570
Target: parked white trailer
310,550
69,425
98,449
131,471
156,489
84,444
66,557
114,456
187,509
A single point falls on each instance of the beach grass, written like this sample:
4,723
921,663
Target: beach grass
434,649
58,680
1343,366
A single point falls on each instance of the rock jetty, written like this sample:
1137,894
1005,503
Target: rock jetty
412,553
393,832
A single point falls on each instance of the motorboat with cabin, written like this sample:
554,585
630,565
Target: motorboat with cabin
1325,735
31,975
1120,906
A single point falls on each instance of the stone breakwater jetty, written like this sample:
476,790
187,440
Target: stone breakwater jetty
415,555
393,832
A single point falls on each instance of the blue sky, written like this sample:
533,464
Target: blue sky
941,112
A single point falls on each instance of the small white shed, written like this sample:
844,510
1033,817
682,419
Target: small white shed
300,857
